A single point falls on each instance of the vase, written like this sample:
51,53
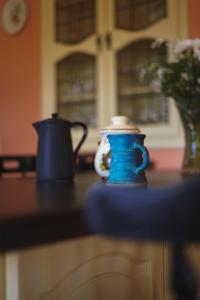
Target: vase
191,159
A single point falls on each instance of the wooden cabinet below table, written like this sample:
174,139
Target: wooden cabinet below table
92,268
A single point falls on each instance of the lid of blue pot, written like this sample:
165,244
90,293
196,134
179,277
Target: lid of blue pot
120,124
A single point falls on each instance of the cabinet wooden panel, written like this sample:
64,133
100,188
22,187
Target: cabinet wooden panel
92,268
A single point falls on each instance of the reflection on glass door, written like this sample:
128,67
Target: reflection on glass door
138,14
75,20
137,98
76,88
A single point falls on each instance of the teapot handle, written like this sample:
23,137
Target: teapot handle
85,133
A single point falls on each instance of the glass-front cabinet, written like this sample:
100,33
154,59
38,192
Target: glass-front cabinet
94,53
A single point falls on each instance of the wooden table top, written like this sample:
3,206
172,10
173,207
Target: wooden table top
33,213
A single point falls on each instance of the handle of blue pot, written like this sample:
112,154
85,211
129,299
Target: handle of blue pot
145,153
85,133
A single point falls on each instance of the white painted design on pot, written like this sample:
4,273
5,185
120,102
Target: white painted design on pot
102,158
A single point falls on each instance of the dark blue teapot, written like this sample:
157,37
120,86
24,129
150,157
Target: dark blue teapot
55,155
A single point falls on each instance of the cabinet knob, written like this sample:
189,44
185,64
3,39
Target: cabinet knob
99,43
109,40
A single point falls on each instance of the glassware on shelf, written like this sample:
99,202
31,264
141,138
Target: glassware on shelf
76,88
137,98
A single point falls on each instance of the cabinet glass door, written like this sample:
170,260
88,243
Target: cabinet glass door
76,88
137,97
75,23
133,25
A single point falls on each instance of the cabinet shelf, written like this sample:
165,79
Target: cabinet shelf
78,99
137,90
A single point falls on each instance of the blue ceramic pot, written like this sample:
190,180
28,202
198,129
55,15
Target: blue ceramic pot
129,158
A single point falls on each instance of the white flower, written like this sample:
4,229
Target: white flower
157,43
197,53
156,84
182,46
196,45
160,73
184,76
142,74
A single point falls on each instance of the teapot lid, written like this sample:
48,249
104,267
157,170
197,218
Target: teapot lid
120,124
54,119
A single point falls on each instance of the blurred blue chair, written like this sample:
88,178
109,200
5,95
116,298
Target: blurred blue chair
168,213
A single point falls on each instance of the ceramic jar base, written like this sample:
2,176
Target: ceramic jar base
128,184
